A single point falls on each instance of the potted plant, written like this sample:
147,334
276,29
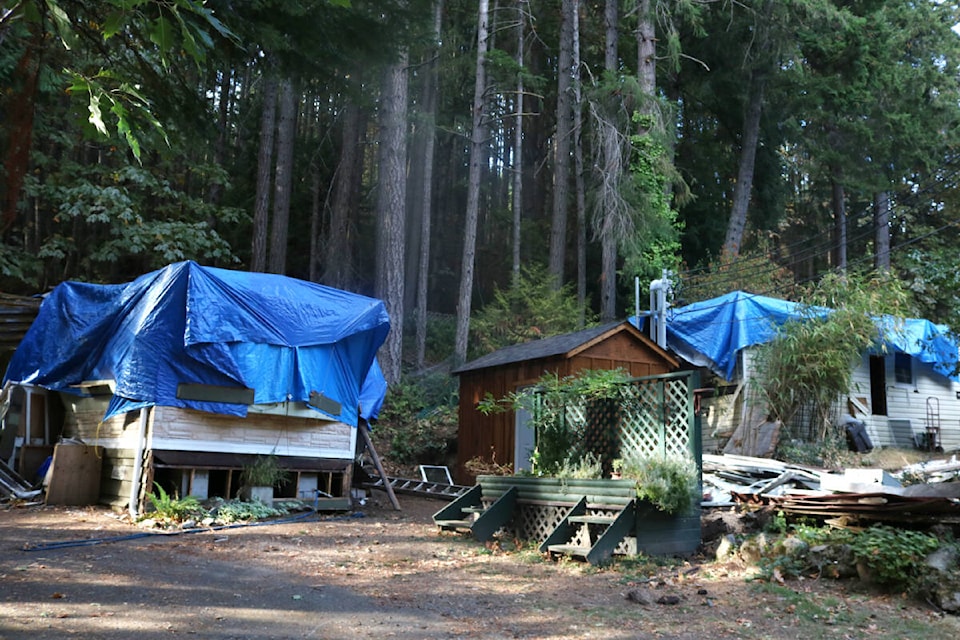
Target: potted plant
258,478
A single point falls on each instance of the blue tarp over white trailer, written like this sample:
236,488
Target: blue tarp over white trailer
712,332
187,324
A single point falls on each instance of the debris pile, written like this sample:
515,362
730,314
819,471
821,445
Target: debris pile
921,493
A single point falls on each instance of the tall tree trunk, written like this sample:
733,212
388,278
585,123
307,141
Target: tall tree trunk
517,202
881,227
261,209
225,99
646,50
839,221
580,188
561,146
608,240
20,100
477,154
283,179
750,136
316,213
429,146
339,253
611,18
392,211
743,187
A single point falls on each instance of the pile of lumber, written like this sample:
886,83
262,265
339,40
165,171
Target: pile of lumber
922,494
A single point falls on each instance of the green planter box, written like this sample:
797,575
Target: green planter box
661,534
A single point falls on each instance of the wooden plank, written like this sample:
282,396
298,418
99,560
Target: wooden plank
74,475
215,393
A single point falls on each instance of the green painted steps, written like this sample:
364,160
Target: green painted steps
482,522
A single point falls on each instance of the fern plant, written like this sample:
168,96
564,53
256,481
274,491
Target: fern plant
170,507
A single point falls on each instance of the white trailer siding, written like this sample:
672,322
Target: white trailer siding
929,399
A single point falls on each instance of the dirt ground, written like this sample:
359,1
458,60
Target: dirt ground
379,573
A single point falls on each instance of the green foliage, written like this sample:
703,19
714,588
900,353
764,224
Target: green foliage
559,444
19,266
654,243
231,511
753,271
532,308
153,32
264,471
893,556
810,363
671,483
826,452
172,508
105,215
586,467
418,420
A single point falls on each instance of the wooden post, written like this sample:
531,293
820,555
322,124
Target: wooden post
376,461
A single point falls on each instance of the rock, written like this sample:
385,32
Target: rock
668,600
944,559
756,548
727,547
794,547
640,596
833,561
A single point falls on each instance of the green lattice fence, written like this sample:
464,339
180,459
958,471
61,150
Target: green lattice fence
652,416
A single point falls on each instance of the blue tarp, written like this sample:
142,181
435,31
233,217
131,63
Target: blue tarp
282,337
711,333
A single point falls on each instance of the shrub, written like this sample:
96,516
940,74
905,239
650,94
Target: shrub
671,483
894,557
418,422
264,471
531,308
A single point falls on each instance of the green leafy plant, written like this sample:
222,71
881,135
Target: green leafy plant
264,471
170,507
586,467
809,365
531,308
559,438
230,511
894,557
418,422
671,483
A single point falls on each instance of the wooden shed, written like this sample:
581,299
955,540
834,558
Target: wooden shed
505,438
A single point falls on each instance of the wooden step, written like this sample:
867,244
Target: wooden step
569,550
478,509
454,524
607,520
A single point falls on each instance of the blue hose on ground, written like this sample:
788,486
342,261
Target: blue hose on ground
52,546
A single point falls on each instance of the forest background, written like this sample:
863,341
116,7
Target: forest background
486,159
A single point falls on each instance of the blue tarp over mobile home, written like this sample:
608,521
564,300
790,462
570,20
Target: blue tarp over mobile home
186,324
712,332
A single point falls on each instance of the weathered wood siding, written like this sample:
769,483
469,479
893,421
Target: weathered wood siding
82,420
187,430
172,428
